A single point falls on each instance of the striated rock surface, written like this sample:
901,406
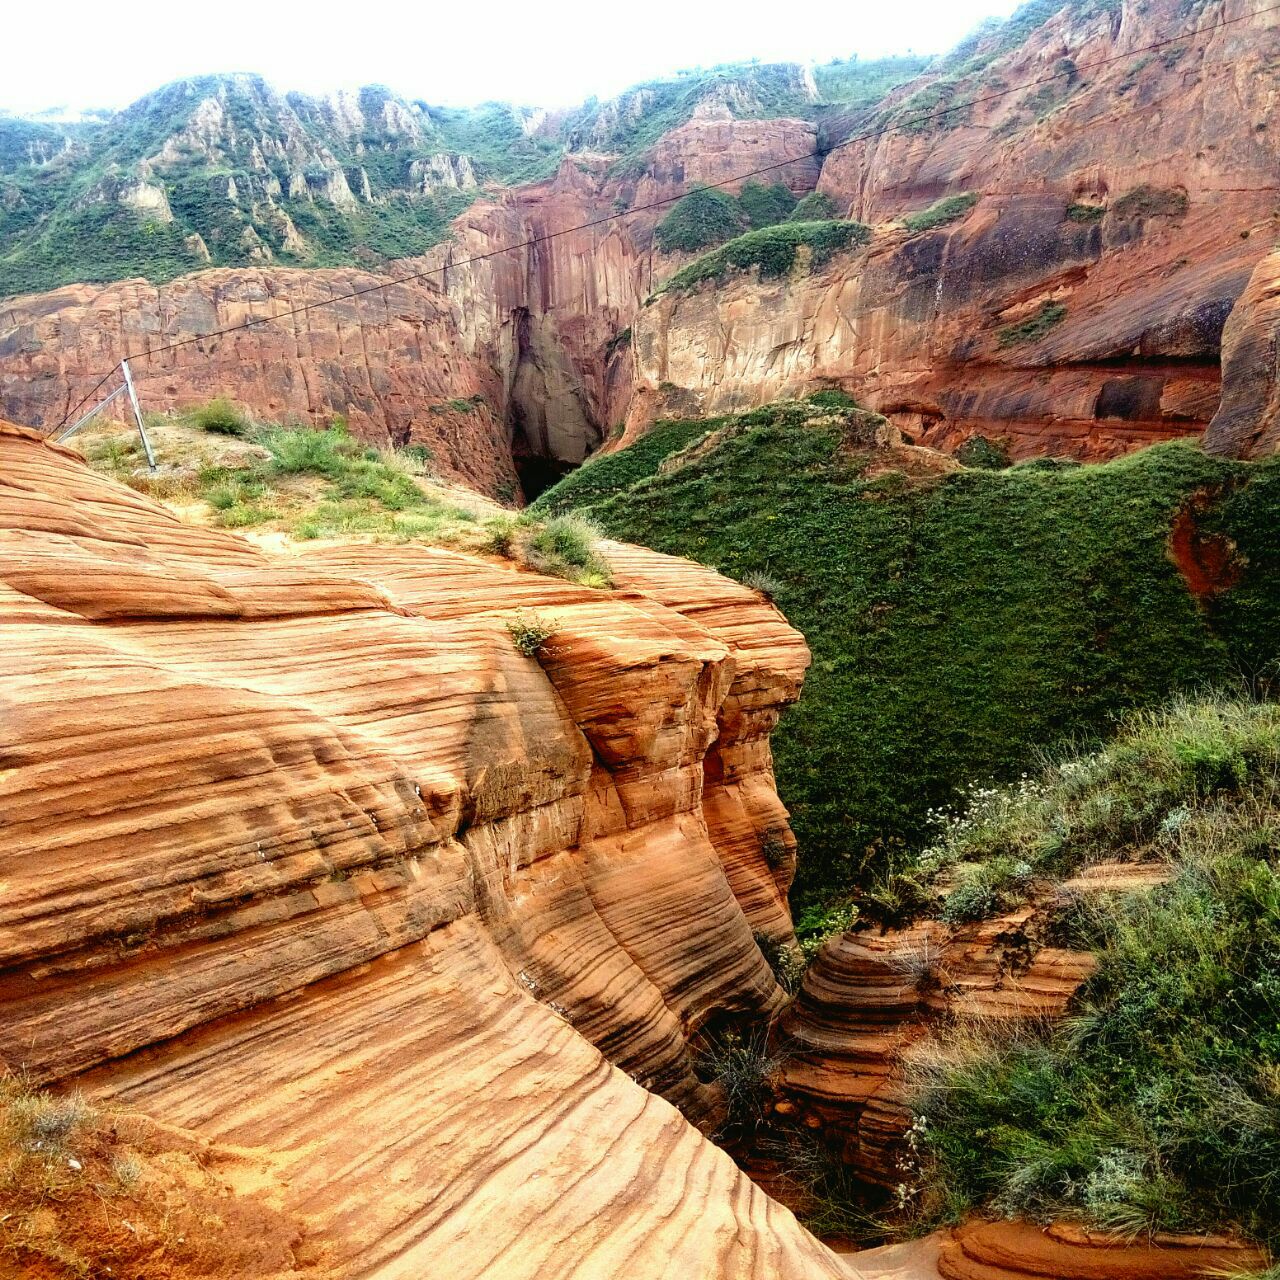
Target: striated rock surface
870,1001
302,855
1247,424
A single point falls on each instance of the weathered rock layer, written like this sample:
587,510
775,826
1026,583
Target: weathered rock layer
303,855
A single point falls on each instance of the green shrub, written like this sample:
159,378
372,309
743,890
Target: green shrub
773,251
940,212
1131,795
745,1068
978,451
565,547
221,417
326,453
786,959
1086,213
817,206
420,454
763,206
703,218
832,398
817,923
502,534
1034,327
529,631
987,890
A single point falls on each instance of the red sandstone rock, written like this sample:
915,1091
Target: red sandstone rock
1247,424
302,855
1014,1250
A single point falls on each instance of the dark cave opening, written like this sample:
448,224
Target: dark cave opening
536,471
536,467
552,430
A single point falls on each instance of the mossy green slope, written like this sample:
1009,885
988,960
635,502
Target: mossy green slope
1157,1106
956,620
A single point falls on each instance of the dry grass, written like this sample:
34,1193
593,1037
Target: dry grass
299,484
87,1191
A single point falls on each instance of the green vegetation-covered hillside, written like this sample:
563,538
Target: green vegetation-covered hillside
958,619
1156,1107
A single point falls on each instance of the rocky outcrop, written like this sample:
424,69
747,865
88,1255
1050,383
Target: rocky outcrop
303,856
1023,1251
1247,424
916,328
871,1001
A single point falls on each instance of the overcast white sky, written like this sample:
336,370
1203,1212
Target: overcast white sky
86,53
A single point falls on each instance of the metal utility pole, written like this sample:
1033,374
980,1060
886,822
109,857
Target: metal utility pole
137,413
126,387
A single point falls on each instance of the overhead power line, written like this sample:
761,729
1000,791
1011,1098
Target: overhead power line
817,154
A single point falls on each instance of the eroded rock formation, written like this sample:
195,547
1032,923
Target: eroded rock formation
1247,424
302,855
1078,309
872,1000
1023,1251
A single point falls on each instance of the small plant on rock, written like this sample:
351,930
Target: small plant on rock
565,547
764,584
787,960
773,848
1034,327
529,631
744,1066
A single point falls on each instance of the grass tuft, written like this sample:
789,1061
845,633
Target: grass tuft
941,212
1034,327
220,417
529,631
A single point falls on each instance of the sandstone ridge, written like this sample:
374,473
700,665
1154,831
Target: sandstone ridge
303,856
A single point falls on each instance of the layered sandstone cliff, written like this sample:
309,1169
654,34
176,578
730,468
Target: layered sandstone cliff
1121,207
303,856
